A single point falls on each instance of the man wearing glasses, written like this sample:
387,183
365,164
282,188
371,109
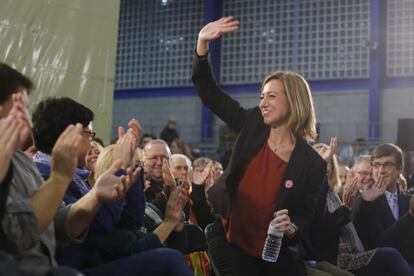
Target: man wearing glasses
361,178
383,214
156,157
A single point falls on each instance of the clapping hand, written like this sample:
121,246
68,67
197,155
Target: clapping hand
65,152
109,187
350,190
175,204
126,144
375,190
167,175
9,139
19,111
200,176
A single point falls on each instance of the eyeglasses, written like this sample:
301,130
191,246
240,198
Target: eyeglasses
364,174
91,134
155,158
220,170
385,165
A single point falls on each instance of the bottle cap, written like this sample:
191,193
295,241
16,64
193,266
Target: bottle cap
273,231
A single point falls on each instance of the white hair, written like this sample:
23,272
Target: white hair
177,156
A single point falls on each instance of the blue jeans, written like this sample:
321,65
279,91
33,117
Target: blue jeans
160,261
386,261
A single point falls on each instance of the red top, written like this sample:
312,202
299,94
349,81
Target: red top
255,203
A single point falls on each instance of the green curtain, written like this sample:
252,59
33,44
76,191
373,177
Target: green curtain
67,47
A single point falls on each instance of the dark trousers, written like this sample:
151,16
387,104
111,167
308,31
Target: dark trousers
246,265
155,262
386,261
229,260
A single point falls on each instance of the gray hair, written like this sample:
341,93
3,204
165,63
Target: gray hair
201,162
362,158
177,156
157,141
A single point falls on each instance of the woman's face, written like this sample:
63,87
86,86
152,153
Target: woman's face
175,148
91,157
274,104
217,171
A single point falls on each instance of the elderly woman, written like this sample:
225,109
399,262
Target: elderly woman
273,174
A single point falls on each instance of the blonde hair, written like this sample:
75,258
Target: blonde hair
91,177
96,145
138,155
302,120
334,180
104,161
402,182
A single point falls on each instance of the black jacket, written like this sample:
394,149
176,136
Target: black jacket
306,169
326,229
377,227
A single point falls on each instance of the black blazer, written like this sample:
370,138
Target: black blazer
306,169
377,227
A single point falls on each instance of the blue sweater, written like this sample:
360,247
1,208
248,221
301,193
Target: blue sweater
127,213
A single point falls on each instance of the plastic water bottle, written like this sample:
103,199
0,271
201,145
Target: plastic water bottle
272,244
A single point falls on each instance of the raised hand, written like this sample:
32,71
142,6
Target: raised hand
327,152
350,191
65,152
135,127
167,175
19,111
109,187
375,190
200,177
175,204
9,141
185,184
125,147
214,30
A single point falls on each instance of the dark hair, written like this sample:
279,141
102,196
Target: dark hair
11,80
99,141
51,117
389,149
150,135
183,147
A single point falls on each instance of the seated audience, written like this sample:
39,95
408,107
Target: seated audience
139,239
336,238
360,179
50,117
384,215
34,219
156,157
